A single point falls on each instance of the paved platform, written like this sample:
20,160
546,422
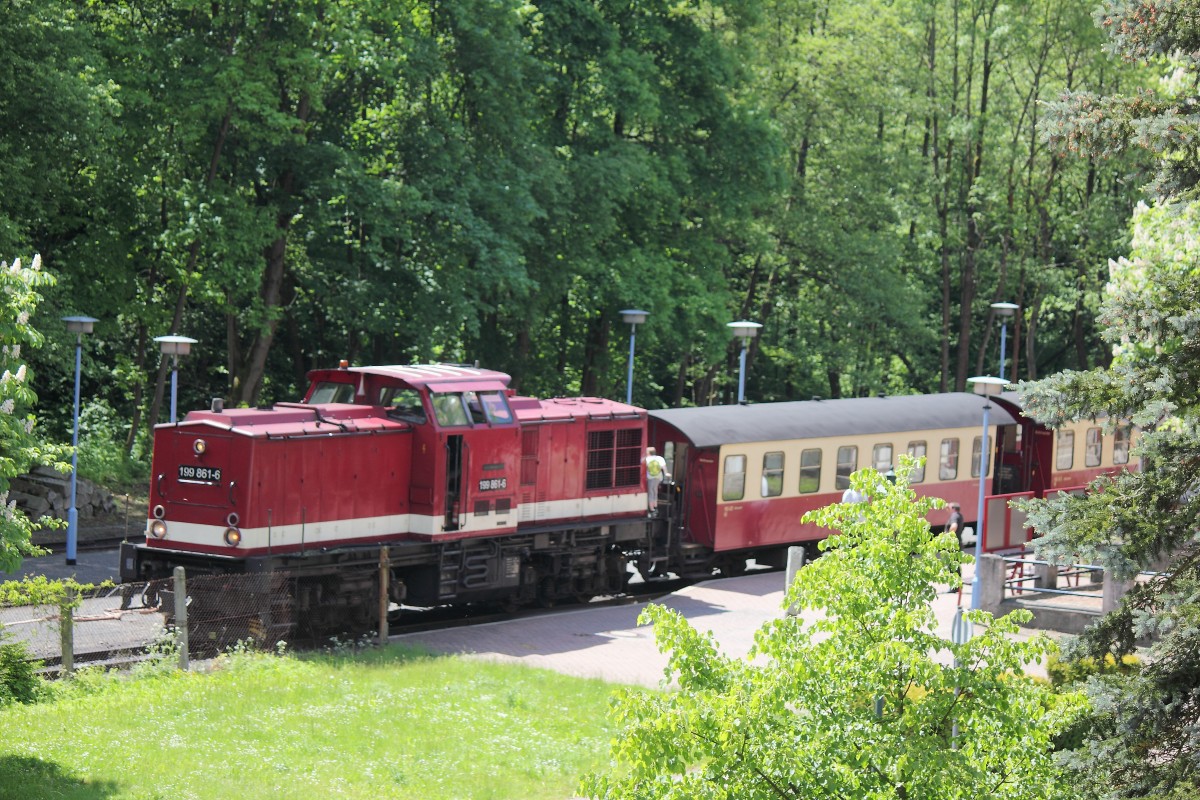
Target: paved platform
607,643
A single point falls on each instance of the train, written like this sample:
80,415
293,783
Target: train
471,493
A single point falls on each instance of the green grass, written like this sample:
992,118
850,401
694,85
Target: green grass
388,723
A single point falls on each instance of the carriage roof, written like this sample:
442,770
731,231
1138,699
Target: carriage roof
712,426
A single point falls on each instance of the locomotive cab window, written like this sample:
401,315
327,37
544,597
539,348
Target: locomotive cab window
772,477
1064,457
403,403
847,462
1121,439
449,410
918,450
1094,449
948,464
734,485
331,392
810,470
495,408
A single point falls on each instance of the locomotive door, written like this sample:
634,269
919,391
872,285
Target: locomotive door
454,482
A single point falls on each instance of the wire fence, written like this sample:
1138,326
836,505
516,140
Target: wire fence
123,624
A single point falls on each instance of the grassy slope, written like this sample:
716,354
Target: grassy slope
384,724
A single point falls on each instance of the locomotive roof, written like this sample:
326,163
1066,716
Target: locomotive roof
711,426
433,376
557,409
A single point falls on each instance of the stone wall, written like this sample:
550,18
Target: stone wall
45,492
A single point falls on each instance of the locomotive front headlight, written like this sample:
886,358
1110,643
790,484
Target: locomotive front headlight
199,446
158,529
233,537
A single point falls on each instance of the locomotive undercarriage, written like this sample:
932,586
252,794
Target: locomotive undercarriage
336,591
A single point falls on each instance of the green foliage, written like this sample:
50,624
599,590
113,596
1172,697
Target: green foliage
850,699
64,593
1067,672
20,449
19,679
102,456
1140,739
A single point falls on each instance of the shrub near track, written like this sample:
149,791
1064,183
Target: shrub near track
389,723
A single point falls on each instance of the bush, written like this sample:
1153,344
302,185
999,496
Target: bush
19,679
1064,673
102,457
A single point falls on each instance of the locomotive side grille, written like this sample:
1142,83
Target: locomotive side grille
614,458
629,457
600,460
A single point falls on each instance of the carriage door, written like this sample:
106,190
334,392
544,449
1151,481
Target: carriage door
675,454
454,479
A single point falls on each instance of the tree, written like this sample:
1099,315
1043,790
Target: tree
19,448
854,702
1140,739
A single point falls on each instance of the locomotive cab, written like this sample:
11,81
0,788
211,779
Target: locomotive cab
465,448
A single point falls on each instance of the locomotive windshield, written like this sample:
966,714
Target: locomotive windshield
463,409
403,403
331,392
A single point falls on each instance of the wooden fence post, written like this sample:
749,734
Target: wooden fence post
181,617
384,576
66,629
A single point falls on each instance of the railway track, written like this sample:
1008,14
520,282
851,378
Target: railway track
402,621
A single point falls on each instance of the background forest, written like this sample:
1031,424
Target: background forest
388,181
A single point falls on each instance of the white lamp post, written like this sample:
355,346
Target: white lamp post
174,346
78,326
634,317
988,387
744,330
1004,311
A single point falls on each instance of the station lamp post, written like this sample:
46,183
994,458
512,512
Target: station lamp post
744,330
78,326
174,346
633,317
1004,311
987,386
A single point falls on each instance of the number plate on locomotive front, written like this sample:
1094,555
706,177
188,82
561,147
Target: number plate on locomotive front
195,474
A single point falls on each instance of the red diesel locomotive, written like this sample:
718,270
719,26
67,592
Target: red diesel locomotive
481,495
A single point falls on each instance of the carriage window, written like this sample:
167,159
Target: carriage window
917,450
948,464
846,464
881,457
772,477
449,410
810,470
734,487
1065,456
1121,444
330,392
976,446
403,403
1094,449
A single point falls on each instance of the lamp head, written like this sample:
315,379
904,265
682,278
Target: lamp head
79,324
987,385
633,316
744,329
175,345
1005,309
